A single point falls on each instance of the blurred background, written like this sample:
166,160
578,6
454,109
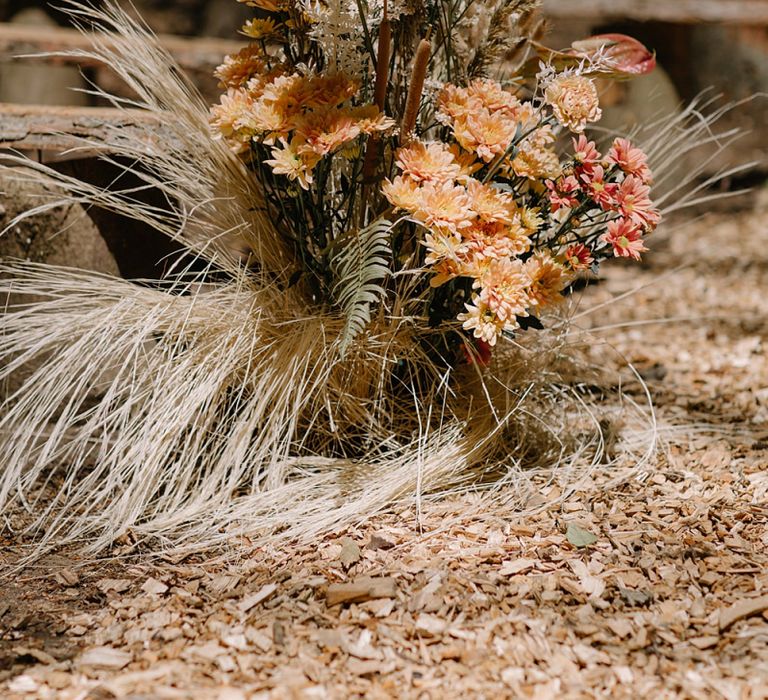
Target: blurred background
720,45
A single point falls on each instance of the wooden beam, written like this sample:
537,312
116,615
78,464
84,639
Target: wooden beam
60,129
749,12
193,55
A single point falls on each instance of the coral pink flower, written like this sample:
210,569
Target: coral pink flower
630,159
625,238
584,152
578,257
600,192
633,201
563,193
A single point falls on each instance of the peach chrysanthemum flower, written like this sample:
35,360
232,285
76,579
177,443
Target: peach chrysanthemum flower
452,103
574,101
536,163
329,90
484,133
494,97
240,67
531,219
371,119
228,119
444,206
444,257
267,121
625,238
467,162
490,204
548,277
286,161
494,243
402,193
503,289
325,131
630,159
427,162
483,323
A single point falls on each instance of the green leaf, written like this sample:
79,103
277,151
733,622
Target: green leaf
361,268
579,537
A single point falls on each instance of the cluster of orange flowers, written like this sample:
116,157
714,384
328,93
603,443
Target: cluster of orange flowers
485,119
474,230
304,117
507,221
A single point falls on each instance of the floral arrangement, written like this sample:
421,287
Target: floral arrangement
369,136
385,195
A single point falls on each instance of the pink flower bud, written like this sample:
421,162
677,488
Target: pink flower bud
623,55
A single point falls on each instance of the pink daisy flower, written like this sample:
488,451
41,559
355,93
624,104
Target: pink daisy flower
625,239
563,193
578,257
600,192
634,203
584,152
630,159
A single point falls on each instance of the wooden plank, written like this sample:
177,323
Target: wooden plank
59,129
750,12
193,55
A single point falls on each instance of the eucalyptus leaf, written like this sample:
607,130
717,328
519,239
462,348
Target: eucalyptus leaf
579,537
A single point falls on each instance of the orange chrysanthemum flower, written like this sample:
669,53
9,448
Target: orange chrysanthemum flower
229,119
444,206
427,162
240,67
574,101
402,193
548,277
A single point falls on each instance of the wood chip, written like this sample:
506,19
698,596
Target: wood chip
360,590
705,642
251,601
104,657
379,541
118,585
67,577
742,609
154,587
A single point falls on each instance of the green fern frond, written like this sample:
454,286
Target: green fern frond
361,268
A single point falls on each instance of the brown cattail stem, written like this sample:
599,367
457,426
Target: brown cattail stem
412,102
379,93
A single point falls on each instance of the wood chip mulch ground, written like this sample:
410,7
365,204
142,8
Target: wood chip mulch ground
656,588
